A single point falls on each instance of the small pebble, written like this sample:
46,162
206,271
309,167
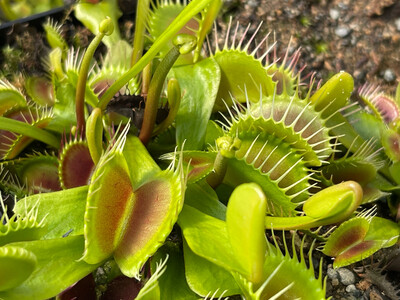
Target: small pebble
332,273
346,276
351,288
342,31
334,13
389,75
397,23
253,3
335,282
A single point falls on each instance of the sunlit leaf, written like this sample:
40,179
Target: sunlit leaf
202,80
58,267
16,265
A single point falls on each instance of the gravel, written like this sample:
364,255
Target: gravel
397,23
334,13
346,276
342,31
389,75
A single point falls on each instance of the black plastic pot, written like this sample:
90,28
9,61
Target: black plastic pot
8,28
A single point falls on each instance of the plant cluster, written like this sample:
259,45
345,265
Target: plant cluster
16,9
177,165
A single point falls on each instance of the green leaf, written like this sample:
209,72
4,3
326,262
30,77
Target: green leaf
208,237
213,132
205,278
16,265
29,132
91,16
161,17
118,56
94,134
58,267
64,107
63,211
202,80
140,164
202,197
172,283
193,8
245,217
208,18
142,14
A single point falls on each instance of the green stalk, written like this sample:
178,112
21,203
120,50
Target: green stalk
187,13
227,147
216,177
106,28
183,44
208,21
29,130
146,77
156,84
142,12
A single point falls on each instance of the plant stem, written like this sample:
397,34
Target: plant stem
193,8
29,130
215,178
153,96
142,12
81,85
227,147
105,28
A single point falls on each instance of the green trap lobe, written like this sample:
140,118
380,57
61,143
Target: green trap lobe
150,211
356,253
105,213
76,165
199,164
41,176
352,235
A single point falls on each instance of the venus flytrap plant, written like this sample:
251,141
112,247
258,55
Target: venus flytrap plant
329,206
360,237
275,147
